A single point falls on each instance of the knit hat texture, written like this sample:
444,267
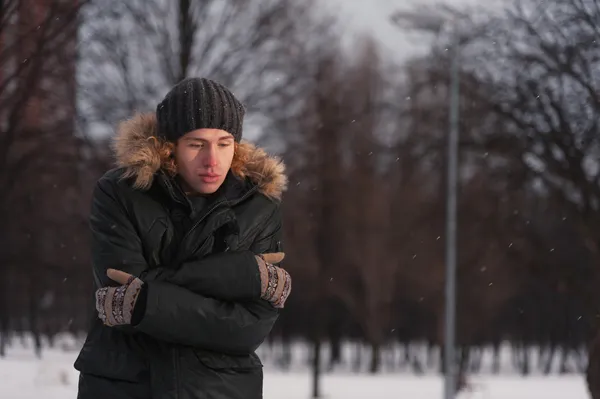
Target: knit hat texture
199,103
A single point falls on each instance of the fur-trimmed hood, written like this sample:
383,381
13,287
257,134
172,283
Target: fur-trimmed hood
138,149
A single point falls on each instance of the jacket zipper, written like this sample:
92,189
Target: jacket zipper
175,351
211,210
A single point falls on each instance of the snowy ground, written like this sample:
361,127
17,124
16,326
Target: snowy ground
22,376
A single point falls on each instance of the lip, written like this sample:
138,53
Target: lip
209,178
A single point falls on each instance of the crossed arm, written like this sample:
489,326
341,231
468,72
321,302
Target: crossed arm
181,306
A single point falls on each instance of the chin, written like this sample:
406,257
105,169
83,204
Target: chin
206,191
208,188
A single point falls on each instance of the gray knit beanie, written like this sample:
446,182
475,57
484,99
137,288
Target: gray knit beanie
199,103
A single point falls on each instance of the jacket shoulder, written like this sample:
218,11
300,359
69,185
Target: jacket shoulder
262,223
263,205
114,176
115,186
115,181
258,214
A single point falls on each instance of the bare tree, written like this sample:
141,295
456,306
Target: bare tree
368,219
37,145
532,74
532,71
321,176
134,51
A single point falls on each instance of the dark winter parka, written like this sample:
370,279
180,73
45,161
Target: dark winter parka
202,317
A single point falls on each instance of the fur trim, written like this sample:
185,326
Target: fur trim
138,149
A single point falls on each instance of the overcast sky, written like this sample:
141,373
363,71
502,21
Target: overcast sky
373,16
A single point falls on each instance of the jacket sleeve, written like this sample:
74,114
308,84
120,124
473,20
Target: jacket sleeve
175,314
115,242
229,276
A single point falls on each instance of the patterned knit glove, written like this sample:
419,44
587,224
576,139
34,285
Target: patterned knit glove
276,283
115,304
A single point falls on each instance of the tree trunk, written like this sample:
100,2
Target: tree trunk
375,365
357,364
336,350
430,354
546,359
34,327
496,358
4,317
521,358
563,369
476,359
4,308
592,374
316,367
3,338
286,353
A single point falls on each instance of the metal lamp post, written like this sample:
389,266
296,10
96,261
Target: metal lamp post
435,23
451,227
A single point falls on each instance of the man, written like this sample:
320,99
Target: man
184,234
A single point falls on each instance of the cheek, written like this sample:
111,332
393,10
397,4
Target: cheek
184,155
227,157
184,160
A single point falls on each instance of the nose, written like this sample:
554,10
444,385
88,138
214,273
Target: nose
210,160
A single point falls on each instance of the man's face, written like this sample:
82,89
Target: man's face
203,159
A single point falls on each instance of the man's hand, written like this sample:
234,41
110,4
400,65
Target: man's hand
119,276
276,283
115,304
273,257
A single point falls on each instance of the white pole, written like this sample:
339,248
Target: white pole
451,227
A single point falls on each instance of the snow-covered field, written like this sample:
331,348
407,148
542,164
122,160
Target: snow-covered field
22,376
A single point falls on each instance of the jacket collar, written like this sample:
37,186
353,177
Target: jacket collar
144,156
